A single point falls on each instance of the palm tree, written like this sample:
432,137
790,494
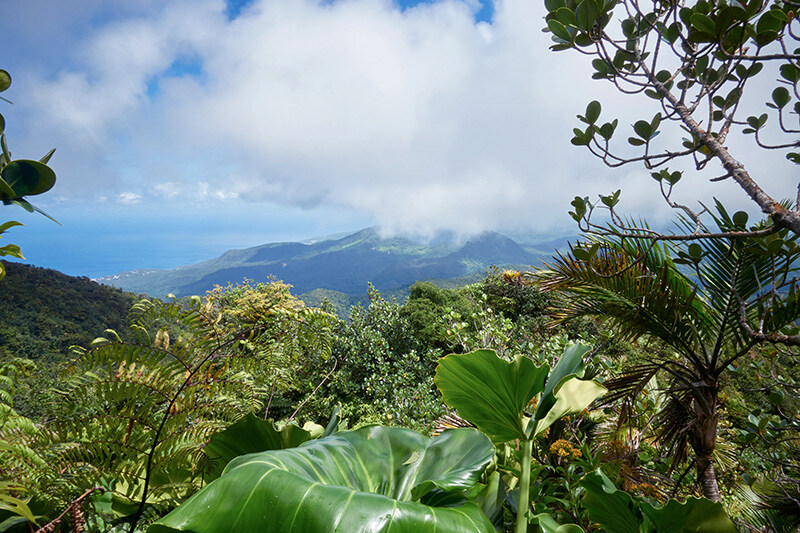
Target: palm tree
729,295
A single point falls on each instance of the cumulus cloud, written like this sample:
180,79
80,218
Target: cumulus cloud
118,62
422,119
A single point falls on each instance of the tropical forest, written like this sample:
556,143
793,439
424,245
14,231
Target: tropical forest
641,379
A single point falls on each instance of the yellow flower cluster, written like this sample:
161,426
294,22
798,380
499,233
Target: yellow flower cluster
564,448
616,449
648,491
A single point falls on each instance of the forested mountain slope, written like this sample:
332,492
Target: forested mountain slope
43,312
344,265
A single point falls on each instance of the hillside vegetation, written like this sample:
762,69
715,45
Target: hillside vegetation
214,370
44,312
344,265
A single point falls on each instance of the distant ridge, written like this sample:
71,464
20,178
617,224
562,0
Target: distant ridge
343,264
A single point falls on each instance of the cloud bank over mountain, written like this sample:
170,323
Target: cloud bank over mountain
421,118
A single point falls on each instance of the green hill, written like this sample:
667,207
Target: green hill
344,265
43,312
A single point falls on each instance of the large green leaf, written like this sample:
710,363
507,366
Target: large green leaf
571,396
250,435
618,512
569,364
373,479
490,392
28,178
613,509
695,515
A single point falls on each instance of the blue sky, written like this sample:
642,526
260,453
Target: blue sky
185,128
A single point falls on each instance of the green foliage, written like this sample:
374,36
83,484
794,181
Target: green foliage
425,307
618,512
739,290
42,314
22,177
484,328
493,394
12,504
291,339
18,179
11,250
273,354
249,435
13,446
507,293
372,479
698,61
139,413
383,373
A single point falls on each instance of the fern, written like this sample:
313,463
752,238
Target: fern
19,461
141,412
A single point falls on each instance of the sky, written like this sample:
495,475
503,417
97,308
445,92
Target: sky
185,128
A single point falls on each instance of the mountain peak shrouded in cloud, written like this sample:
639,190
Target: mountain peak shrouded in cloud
345,264
420,116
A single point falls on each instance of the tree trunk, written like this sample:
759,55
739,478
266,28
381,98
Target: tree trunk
707,478
704,439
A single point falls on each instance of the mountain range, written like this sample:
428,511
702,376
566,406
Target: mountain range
341,267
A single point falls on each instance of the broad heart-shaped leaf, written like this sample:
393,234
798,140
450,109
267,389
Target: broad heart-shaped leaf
569,364
28,178
572,396
618,512
695,515
613,509
350,482
489,391
250,435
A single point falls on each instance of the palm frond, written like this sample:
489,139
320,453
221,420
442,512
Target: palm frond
634,289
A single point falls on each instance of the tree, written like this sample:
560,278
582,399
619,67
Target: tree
292,338
695,59
708,316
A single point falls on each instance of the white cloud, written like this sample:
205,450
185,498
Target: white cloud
128,198
422,119
118,62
